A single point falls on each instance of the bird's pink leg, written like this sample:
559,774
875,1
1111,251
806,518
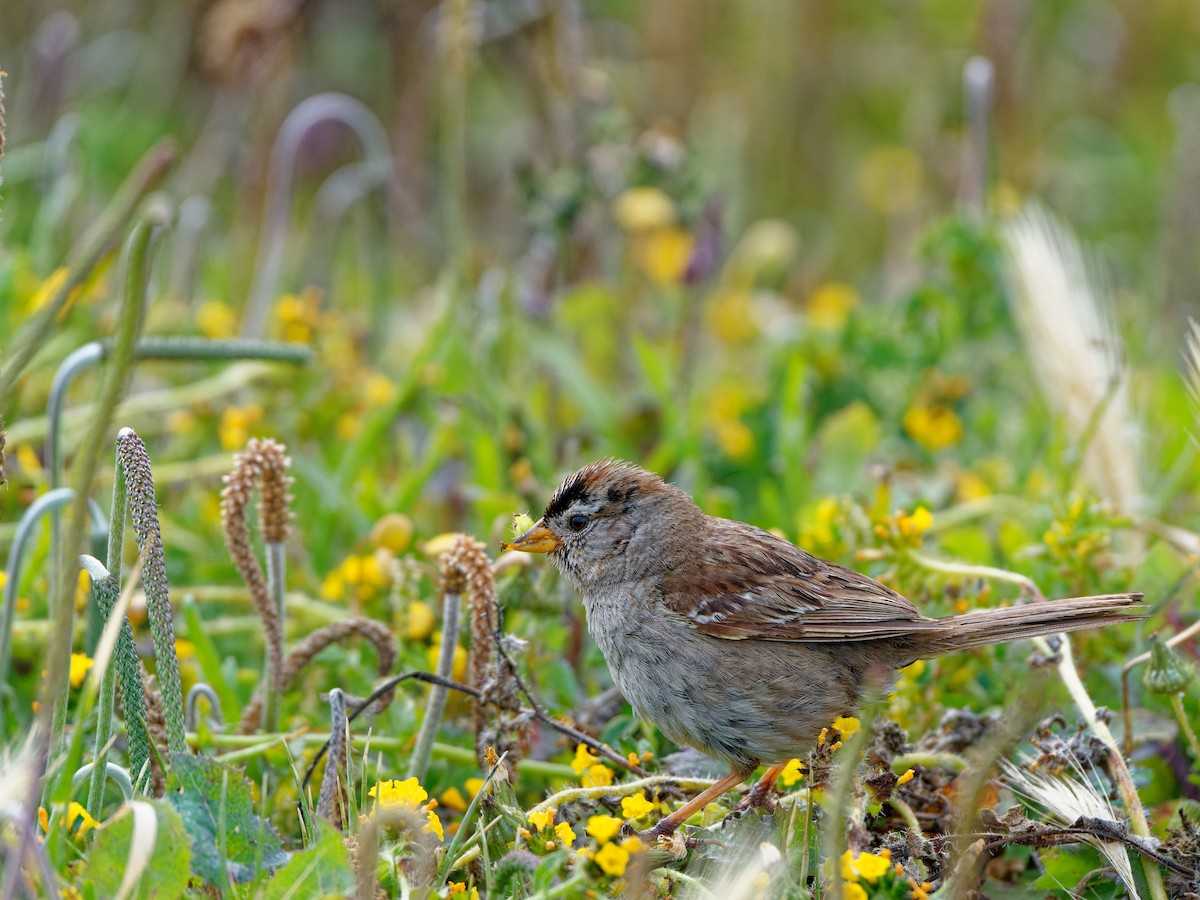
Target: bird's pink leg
667,825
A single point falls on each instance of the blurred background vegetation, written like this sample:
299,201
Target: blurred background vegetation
754,246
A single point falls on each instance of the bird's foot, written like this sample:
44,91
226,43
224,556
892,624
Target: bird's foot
761,796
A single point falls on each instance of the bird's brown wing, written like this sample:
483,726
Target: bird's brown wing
747,583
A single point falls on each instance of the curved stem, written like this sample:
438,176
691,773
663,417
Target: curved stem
48,502
112,772
273,238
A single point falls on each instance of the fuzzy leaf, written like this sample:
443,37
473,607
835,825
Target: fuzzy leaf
149,844
251,844
322,870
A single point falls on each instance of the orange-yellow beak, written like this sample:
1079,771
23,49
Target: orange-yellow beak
538,539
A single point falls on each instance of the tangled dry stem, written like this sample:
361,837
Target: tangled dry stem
302,654
262,464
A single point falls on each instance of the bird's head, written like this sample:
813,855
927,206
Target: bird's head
611,522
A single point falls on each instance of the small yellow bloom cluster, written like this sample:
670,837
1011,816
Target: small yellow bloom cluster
877,868
819,535
458,668
591,772
1071,538
410,795
830,305
216,320
727,402
236,424
612,856
555,836
459,888
299,315
792,773
661,248
903,529
935,427
363,577
77,820
81,664
637,806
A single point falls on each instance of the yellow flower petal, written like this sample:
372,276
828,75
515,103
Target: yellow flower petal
542,820
598,775
612,859
847,725
80,665
603,828
642,209
636,807
792,772
565,834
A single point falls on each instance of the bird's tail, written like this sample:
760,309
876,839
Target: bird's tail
995,626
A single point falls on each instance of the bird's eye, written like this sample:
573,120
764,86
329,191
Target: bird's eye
578,522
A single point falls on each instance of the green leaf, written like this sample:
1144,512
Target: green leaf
322,870
144,841
1066,868
217,806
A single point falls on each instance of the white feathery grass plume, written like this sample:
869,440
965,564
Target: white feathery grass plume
1065,799
1193,362
1069,335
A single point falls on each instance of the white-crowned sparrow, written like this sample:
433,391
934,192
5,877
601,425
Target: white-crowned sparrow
733,640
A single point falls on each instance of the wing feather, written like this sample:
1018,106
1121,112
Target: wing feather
749,583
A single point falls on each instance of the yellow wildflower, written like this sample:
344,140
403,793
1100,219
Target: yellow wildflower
598,775
394,532
456,888
663,254
637,806
565,834
918,522
867,866
847,725
730,316
543,820
584,759
643,209
935,427
80,664
458,668
436,546
435,824
603,828
612,859
399,793
215,319
452,798
43,819
236,423
379,389
852,891
184,649
830,305
78,819
735,439
792,772
333,587
419,620
347,426
905,778
473,785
